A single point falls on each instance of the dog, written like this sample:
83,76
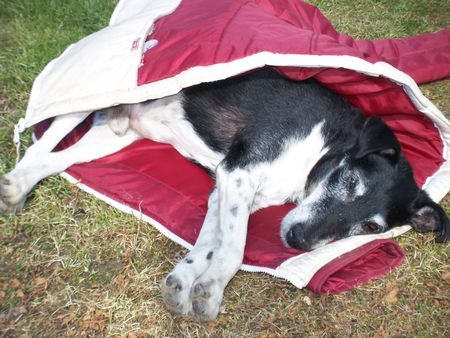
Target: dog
267,140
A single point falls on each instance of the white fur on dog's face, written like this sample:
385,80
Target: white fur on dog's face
344,186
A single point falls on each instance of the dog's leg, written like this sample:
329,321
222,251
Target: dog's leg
237,189
39,162
14,186
176,287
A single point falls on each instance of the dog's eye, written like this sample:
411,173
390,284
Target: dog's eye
372,227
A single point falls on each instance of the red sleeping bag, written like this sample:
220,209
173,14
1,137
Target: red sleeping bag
207,36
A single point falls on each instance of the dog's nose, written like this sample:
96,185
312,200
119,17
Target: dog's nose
295,237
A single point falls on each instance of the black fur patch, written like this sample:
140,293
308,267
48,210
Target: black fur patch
247,118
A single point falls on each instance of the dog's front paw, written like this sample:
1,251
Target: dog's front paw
12,195
175,293
206,299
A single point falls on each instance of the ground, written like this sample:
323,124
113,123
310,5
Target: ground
71,265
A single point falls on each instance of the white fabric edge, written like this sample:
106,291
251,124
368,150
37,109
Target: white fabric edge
316,259
116,12
128,9
436,185
126,14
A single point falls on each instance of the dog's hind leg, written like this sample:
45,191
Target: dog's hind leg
13,189
39,162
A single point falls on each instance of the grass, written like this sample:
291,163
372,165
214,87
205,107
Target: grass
81,268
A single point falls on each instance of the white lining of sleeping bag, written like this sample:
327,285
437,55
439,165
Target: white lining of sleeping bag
315,259
128,9
98,66
298,270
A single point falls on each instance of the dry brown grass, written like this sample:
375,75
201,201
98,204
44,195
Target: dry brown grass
72,266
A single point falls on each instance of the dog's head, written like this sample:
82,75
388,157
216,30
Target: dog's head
369,190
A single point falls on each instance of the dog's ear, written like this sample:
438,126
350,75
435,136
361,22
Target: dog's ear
429,216
377,138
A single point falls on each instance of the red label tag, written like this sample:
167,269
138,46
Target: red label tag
135,44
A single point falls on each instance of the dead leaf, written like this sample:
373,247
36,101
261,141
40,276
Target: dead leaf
392,296
94,320
446,276
40,281
20,294
67,318
217,322
151,319
127,257
307,300
381,333
14,283
120,279
430,284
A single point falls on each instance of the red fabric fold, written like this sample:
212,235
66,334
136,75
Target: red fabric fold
424,57
369,261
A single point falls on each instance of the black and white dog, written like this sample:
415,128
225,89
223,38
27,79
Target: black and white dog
268,141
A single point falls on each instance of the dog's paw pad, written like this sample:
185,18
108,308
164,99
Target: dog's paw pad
12,198
201,290
206,299
176,295
200,308
8,209
11,190
173,282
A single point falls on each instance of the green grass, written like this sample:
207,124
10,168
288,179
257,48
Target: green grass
83,268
